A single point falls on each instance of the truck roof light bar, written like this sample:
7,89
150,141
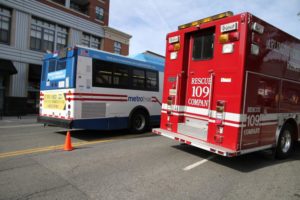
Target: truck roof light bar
205,20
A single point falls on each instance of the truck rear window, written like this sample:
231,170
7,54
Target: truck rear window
203,46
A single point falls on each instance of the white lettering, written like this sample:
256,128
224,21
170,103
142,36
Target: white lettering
198,102
252,131
253,109
201,81
198,91
229,27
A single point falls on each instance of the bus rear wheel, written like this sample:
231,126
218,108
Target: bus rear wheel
139,122
285,144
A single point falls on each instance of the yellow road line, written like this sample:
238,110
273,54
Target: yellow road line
48,148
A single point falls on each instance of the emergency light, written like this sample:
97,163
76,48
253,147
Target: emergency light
205,20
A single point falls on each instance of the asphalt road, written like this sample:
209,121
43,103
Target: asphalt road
119,165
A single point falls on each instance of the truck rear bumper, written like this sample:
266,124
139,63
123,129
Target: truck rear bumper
55,121
197,143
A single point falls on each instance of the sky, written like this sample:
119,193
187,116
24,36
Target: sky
149,21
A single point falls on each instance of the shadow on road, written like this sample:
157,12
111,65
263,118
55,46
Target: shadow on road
92,135
244,163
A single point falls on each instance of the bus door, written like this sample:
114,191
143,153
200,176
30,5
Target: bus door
199,84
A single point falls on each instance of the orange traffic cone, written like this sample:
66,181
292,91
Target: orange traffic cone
68,142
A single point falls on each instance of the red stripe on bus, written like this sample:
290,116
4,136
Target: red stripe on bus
93,94
91,99
156,100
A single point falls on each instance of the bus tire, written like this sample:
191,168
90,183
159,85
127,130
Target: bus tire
139,122
285,144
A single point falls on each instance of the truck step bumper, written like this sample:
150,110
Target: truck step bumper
197,143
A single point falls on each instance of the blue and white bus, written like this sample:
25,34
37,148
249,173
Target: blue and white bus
86,88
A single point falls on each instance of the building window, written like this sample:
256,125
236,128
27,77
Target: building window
62,37
5,19
91,41
61,2
117,47
46,36
99,13
81,6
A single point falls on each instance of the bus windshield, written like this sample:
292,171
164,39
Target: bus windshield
58,73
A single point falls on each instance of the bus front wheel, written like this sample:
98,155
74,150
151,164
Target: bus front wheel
139,122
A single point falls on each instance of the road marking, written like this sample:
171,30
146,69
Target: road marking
196,164
48,148
19,126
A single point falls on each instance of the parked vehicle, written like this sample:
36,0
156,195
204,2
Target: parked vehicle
92,89
232,86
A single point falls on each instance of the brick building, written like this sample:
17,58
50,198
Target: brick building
28,28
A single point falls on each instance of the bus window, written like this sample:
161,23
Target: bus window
52,66
203,46
116,75
61,65
138,79
151,80
103,75
121,77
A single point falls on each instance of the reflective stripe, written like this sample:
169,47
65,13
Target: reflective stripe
234,117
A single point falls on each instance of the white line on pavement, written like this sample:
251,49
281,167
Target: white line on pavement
196,164
7,121
19,126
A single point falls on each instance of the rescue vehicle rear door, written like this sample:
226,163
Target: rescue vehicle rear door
199,83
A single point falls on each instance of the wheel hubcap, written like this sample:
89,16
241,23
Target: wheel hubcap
286,141
139,122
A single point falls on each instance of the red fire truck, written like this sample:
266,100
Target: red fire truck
232,86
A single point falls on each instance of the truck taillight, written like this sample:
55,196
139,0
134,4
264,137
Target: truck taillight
170,100
220,116
174,46
169,112
229,37
220,112
256,28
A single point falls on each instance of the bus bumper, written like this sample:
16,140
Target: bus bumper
55,121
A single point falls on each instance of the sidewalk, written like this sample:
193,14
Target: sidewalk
14,120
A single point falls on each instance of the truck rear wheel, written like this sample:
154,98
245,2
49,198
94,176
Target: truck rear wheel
285,144
139,122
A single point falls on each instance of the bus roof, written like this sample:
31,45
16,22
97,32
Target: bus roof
149,56
110,57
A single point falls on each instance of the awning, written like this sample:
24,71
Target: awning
7,67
